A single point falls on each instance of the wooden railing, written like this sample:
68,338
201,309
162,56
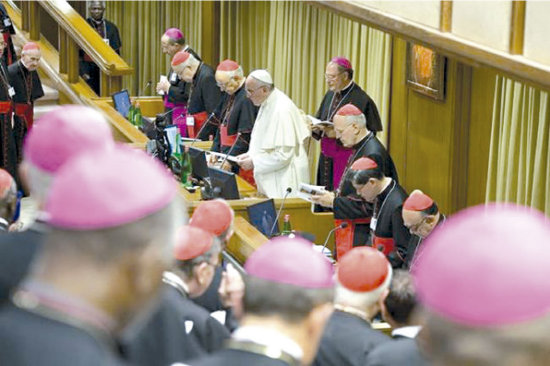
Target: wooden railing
74,34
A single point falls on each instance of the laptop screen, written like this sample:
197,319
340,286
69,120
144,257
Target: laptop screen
121,101
262,216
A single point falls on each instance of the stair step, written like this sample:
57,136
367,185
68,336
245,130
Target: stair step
51,96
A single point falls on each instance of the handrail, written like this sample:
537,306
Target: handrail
86,37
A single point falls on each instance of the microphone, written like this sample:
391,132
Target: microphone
341,226
145,88
230,149
288,190
203,126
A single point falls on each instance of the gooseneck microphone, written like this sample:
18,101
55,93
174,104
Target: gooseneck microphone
145,88
288,190
230,149
207,122
341,226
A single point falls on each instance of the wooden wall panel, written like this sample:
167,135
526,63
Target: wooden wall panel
483,85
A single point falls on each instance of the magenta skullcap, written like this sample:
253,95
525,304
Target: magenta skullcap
291,261
174,33
64,133
342,61
108,188
487,266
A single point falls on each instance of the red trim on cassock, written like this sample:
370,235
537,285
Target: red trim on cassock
227,140
5,107
344,236
199,120
385,245
26,112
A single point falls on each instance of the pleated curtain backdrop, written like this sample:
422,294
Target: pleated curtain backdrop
519,160
141,24
295,40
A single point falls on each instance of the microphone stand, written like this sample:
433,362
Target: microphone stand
230,149
341,226
145,88
203,126
288,190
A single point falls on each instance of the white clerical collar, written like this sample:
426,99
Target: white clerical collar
174,280
268,337
408,332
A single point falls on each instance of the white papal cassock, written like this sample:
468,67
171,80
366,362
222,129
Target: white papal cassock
277,146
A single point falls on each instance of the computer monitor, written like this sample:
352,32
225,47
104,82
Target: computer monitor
262,216
224,184
198,163
121,102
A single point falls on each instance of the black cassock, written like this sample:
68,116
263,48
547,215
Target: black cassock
349,206
204,98
244,354
17,251
106,30
177,331
390,235
7,29
8,153
347,340
178,93
236,114
329,106
400,351
32,338
28,88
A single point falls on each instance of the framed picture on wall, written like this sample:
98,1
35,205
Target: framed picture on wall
426,71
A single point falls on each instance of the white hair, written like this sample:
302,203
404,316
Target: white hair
233,73
360,120
39,182
361,300
191,61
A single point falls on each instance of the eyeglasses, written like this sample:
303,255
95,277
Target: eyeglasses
332,77
415,227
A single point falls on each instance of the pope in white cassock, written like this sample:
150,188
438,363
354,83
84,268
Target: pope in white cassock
276,152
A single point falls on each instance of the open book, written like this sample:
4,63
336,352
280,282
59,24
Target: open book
305,191
318,123
230,158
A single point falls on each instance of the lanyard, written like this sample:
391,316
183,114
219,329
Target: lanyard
377,211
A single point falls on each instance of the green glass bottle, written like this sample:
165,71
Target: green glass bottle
186,169
131,113
287,228
137,116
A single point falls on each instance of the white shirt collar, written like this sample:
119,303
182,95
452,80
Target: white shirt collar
268,337
409,332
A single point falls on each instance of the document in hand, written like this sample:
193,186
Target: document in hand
305,191
318,123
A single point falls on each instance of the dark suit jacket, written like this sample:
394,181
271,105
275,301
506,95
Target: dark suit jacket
400,351
165,338
17,251
230,357
29,339
346,341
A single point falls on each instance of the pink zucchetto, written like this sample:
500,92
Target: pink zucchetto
192,242
291,261
418,201
487,267
180,58
174,33
63,133
349,110
341,61
29,46
214,216
364,269
227,65
108,188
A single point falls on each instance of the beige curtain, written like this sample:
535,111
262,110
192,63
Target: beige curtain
519,157
295,40
141,24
